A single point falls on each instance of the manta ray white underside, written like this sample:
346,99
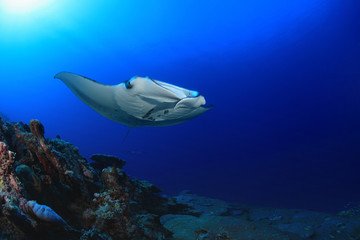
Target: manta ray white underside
139,101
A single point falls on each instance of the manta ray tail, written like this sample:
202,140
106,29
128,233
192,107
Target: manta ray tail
127,134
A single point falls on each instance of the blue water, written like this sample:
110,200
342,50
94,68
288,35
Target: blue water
284,77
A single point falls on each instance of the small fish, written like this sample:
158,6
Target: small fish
45,213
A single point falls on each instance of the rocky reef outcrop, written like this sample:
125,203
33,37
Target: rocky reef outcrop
49,191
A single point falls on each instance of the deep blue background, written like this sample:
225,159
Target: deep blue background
284,77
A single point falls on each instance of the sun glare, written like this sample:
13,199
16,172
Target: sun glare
22,6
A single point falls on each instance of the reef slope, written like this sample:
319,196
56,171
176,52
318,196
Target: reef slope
49,191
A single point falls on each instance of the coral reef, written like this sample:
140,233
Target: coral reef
49,191
100,161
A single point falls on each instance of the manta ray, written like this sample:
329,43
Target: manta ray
137,102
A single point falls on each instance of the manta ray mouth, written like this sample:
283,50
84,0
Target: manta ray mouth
178,91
